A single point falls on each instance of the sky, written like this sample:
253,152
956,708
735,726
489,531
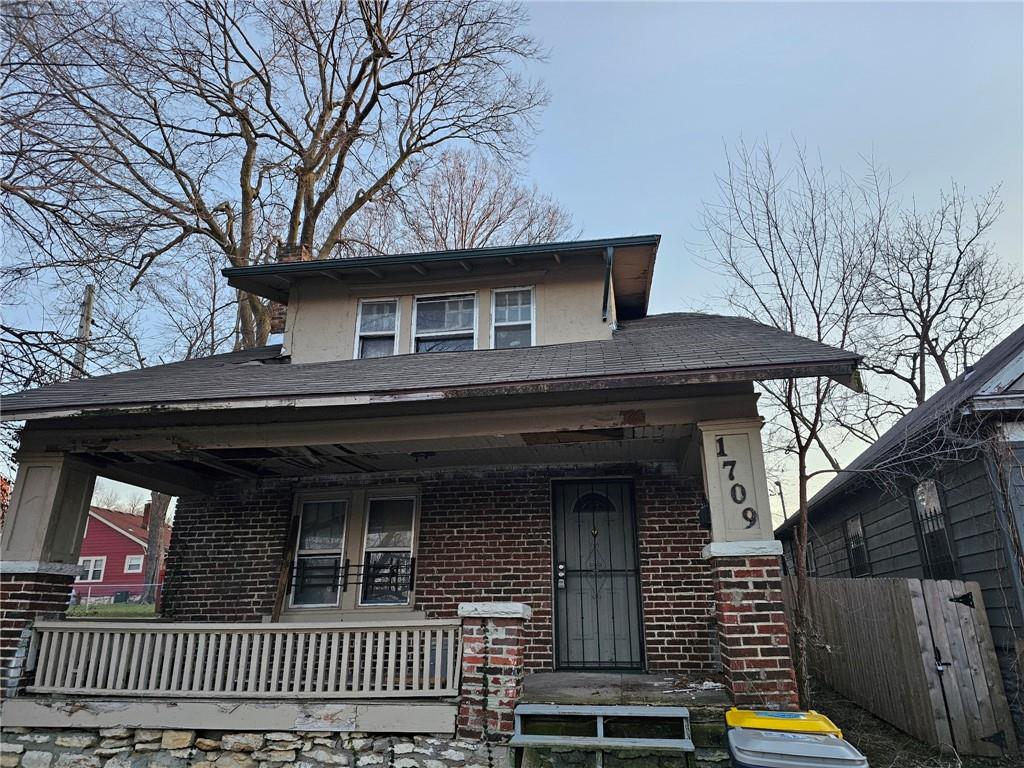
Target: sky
646,96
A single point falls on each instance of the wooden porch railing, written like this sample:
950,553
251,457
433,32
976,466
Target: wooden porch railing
325,661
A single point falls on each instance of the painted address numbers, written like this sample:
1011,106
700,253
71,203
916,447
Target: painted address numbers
737,491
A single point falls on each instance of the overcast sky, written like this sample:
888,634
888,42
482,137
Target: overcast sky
644,96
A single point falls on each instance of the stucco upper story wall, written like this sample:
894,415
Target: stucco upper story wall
568,299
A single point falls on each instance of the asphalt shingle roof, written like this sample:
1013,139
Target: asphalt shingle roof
671,343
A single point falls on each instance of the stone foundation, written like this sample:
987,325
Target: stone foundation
141,747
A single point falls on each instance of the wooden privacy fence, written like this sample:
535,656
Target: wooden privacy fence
326,661
916,653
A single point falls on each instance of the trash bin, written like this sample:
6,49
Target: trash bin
751,748
794,722
121,597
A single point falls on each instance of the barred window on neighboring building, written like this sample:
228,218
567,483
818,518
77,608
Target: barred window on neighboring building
812,566
932,524
857,547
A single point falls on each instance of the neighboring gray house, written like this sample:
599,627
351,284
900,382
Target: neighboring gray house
961,517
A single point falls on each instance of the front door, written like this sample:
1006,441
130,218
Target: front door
597,578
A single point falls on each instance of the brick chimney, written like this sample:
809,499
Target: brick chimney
285,255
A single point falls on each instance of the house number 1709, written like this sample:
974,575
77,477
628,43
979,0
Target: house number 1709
737,492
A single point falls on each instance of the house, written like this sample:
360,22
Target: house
466,487
940,496
113,556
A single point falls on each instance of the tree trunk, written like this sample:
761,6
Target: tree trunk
802,614
155,544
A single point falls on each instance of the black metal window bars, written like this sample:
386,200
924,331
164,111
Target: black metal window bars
383,581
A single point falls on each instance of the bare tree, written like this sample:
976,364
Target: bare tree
797,246
939,298
144,133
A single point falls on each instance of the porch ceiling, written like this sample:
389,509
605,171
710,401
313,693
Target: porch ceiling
625,443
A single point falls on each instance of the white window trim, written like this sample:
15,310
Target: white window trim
476,317
388,496
359,323
533,313
301,501
140,559
92,560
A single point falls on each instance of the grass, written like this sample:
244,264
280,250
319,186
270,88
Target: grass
113,610
886,747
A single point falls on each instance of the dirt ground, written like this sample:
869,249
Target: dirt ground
886,747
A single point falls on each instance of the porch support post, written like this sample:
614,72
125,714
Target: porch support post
39,551
745,563
493,644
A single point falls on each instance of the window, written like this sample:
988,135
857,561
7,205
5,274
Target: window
133,564
378,328
937,548
316,577
387,552
92,568
812,566
512,325
445,323
856,547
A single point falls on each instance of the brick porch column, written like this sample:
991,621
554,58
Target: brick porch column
39,551
492,668
752,634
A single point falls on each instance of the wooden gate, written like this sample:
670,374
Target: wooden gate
916,653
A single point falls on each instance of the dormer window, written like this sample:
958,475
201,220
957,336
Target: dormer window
445,323
512,325
378,321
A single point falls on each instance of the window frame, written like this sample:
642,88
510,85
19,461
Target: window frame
389,495
131,559
87,579
849,547
927,563
300,501
415,319
533,314
359,321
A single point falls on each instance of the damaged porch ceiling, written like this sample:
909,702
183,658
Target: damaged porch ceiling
618,444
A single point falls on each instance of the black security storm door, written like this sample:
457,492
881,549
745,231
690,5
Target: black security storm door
597,577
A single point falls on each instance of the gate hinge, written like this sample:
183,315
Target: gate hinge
998,738
967,598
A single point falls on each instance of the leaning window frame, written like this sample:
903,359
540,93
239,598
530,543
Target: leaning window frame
415,319
388,496
926,561
300,501
92,560
533,314
359,321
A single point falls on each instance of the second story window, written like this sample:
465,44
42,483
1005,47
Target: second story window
857,547
378,324
445,323
513,318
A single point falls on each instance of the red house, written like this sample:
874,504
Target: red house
113,556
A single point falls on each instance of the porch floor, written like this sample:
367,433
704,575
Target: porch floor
615,688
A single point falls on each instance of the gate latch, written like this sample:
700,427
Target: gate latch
967,598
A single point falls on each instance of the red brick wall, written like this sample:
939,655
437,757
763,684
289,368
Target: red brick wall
752,633
23,597
484,535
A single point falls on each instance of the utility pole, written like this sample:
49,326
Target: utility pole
84,332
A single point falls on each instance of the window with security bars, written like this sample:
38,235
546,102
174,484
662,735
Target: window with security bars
512,325
318,554
378,323
387,553
937,555
812,566
445,323
857,547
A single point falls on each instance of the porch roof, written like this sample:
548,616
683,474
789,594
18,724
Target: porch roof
670,349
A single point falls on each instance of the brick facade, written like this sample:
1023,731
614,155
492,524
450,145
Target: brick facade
752,633
23,597
484,535
492,665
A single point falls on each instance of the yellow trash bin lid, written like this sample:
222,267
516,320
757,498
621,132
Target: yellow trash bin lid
766,720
